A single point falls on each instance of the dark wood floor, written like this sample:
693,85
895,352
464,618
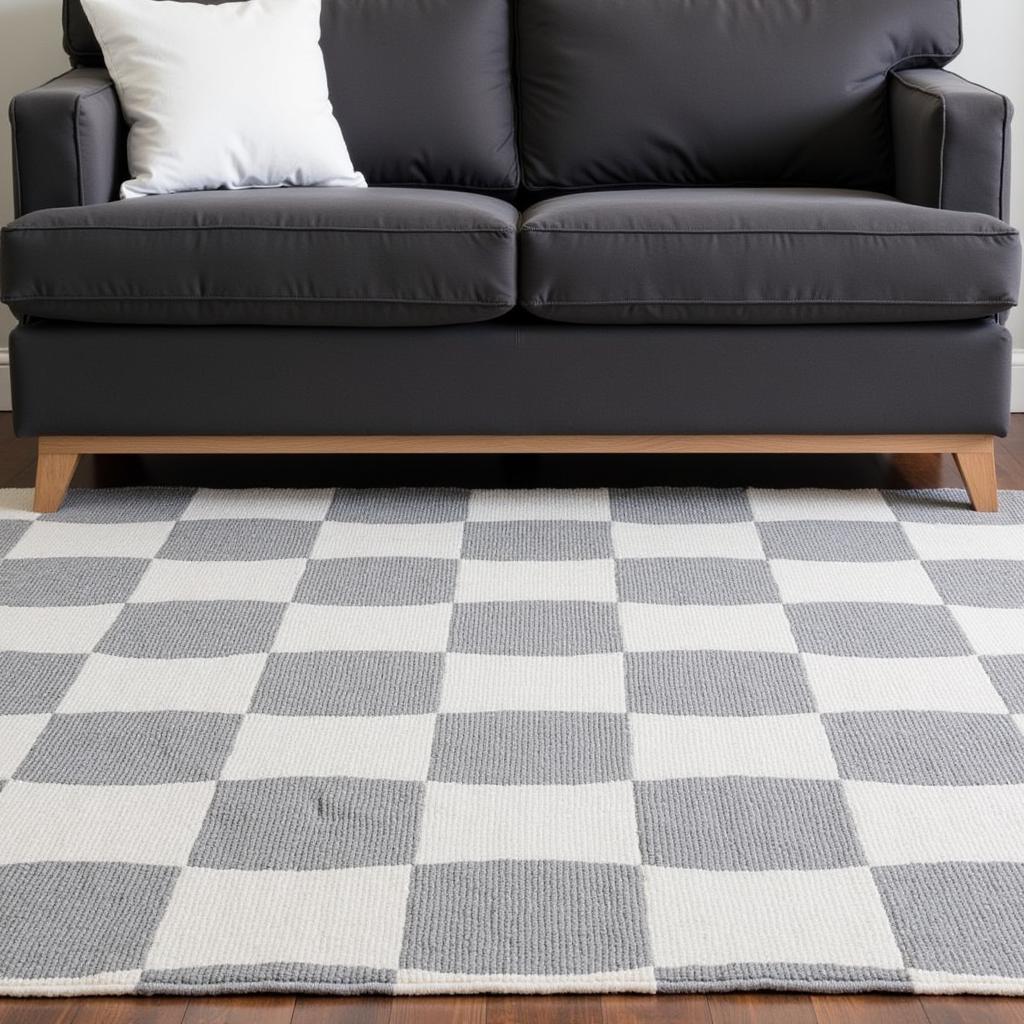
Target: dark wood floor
16,469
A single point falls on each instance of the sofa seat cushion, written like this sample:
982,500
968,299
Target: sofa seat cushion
761,256
317,256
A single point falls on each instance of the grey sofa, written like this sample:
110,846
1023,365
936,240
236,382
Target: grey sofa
594,225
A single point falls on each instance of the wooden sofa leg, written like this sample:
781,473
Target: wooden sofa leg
978,468
54,470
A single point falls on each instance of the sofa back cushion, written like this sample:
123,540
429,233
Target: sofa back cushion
421,88
726,92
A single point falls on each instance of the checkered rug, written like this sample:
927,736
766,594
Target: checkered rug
418,741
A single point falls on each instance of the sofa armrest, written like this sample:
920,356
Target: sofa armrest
951,140
69,142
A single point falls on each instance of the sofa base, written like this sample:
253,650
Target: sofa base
505,377
974,453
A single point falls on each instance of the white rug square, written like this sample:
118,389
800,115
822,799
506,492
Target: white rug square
392,747
47,539
887,582
703,918
816,505
394,540
590,580
343,628
652,627
594,822
501,505
483,682
77,629
936,824
890,684
992,631
940,541
109,683
140,824
310,917
17,734
170,580
686,540
260,503
679,746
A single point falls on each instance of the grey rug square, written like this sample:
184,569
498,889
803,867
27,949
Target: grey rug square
427,740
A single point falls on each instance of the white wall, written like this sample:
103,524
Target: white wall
993,42
30,53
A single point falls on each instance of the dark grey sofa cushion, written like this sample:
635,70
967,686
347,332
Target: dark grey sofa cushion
324,256
717,91
761,256
422,88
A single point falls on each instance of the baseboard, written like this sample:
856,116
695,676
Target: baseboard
1016,377
1017,381
5,381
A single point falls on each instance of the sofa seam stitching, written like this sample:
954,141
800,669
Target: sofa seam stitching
36,297
1003,205
75,131
768,302
769,231
19,195
503,233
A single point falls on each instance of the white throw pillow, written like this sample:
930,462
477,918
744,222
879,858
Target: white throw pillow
230,95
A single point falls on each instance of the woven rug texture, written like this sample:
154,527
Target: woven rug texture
412,741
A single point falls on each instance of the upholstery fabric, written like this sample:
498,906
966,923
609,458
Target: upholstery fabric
761,256
337,256
422,88
952,142
699,92
508,377
68,141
